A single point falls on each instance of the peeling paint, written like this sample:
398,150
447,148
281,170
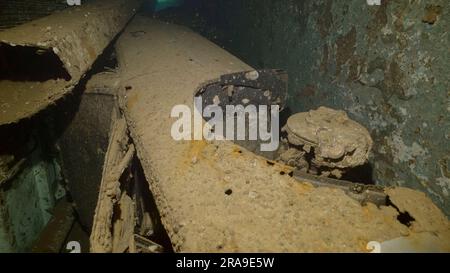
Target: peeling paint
404,153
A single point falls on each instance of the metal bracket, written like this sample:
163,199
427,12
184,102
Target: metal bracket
360,192
256,87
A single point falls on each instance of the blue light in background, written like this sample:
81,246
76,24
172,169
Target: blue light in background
164,4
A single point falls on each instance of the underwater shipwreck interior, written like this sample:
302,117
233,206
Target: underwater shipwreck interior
254,126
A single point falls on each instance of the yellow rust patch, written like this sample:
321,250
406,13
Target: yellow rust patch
237,151
225,200
366,212
89,49
302,187
362,244
132,99
196,148
432,13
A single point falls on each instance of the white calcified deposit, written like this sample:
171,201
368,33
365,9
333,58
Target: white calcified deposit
336,141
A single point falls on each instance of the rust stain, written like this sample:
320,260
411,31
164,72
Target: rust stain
362,244
308,91
393,79
197,155
237,152
325,20
132,99
302,188
432,13
379,20
345,49
400,16
88,47
196,148
325,58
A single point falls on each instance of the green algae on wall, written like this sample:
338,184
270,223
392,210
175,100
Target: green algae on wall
26,202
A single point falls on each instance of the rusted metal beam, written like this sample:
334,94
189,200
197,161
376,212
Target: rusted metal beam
360,192
53,236
43,60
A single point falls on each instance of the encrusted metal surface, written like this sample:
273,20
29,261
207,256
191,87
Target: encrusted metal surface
43,60
255,87
330,138
214,195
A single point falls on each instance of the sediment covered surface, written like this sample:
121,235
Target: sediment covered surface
215,196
